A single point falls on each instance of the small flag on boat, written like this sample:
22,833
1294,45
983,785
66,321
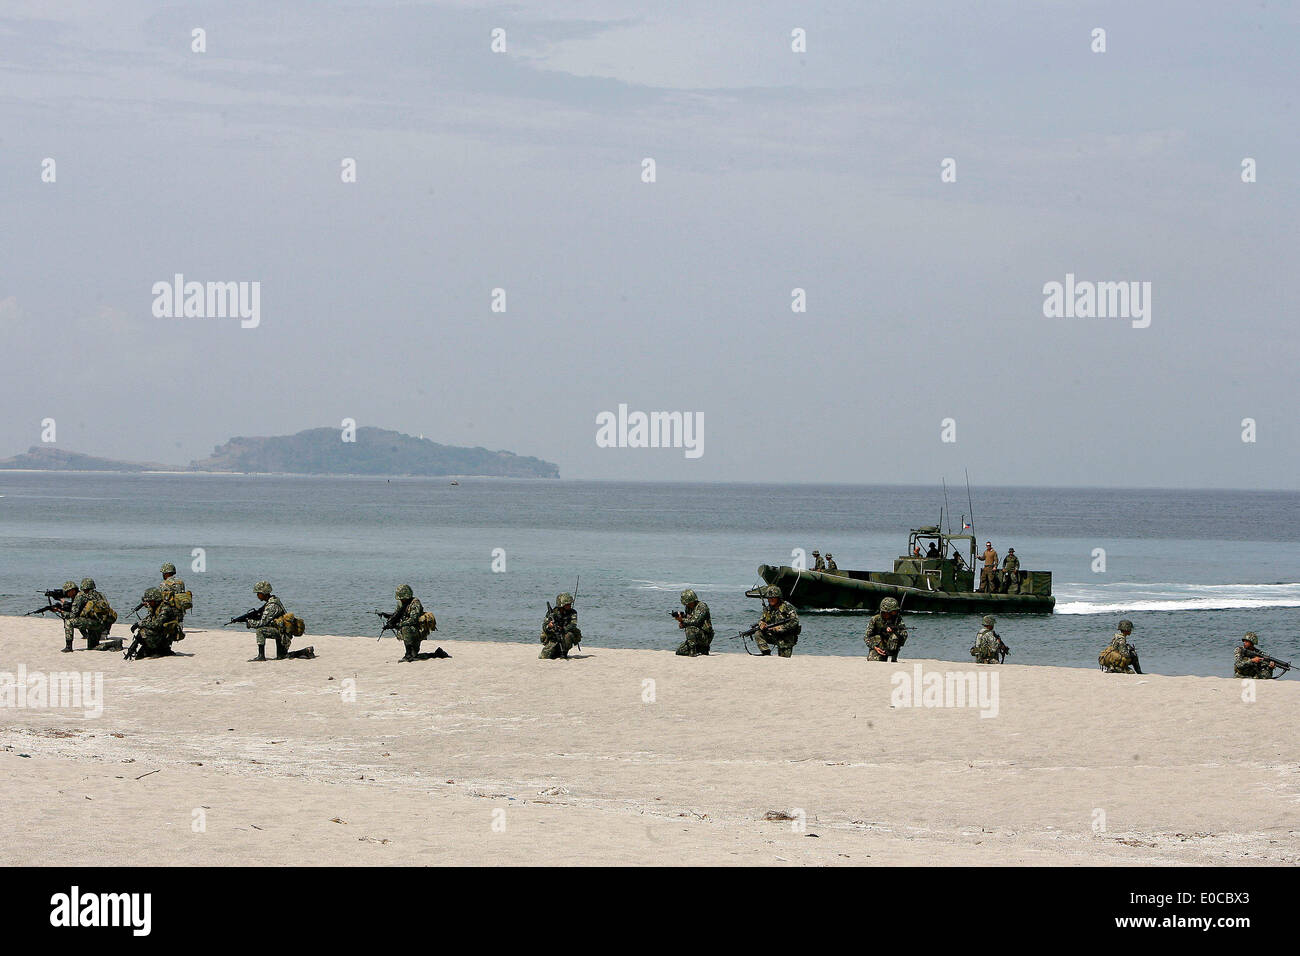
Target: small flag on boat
965,526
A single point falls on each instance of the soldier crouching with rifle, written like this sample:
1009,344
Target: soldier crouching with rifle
779,625
1119,656
886,632
411,624
1250,661
88,611
160,628
560,632
696,622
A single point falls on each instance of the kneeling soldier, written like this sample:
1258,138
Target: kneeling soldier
886,632
1246,661
985,650
89,613
560,629
267,624
697,624
779,624
1120,657
160,628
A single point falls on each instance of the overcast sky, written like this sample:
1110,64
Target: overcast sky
775,170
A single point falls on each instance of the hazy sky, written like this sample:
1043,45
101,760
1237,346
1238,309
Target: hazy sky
775,170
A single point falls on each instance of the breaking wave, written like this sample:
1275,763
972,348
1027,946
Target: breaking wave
1080,599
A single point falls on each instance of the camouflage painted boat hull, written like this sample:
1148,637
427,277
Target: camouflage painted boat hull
857,591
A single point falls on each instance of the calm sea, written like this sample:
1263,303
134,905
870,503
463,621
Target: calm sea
1194,570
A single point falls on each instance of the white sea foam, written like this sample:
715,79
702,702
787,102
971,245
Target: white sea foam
1175,597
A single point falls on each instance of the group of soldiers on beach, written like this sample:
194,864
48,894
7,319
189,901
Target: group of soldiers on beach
84,608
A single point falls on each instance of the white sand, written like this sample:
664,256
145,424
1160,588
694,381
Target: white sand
586,771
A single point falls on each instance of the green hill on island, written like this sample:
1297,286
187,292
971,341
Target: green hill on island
47,458
377,451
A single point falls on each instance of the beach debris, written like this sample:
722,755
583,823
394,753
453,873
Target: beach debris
555,791
370,839
117,735
1135,843
150,773
777,815
337,820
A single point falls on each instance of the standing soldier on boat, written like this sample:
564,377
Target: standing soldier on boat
886,633
779,625
989,573
697,623
818,563
1011,572
830,562
1120,657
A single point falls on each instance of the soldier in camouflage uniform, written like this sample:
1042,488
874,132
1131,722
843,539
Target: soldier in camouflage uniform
985,650
830,562
1011,572
160,628
886,633
818,563
779,624
75,618
408,622
272,609
174,586
1246,661
560,629
697,623
1120,657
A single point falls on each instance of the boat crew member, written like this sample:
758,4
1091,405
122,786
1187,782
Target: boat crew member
932,551
818,563
830,562
1011,572
989,573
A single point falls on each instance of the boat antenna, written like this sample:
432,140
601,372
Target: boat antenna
946,509
970,504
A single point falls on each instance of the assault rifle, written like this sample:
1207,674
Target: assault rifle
390,620
245,617
49,607
1272,660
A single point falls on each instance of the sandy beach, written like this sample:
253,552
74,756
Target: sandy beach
628,757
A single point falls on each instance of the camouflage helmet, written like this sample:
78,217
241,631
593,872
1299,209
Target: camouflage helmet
262,587
815,551
69,585
87,584
151,595
404,592
1250,636
168,568
771,591
888,605
564,599
989,620
1126,626
689,596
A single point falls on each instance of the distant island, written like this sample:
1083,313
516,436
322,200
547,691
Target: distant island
317,451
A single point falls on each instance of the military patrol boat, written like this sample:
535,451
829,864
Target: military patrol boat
918,583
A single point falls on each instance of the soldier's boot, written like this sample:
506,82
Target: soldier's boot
67,647
410,652
765,652
91,642
785,651
306,654
281,652
261,654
